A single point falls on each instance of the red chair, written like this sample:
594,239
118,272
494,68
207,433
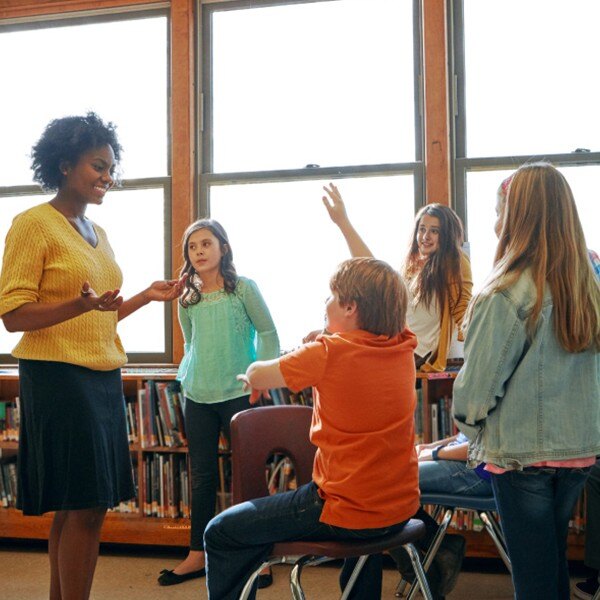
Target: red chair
260,432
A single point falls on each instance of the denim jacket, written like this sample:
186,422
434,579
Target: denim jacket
521,400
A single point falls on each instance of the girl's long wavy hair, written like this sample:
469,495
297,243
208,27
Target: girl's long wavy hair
442,270
191,290
541,230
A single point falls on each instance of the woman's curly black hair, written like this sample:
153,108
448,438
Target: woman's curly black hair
64,141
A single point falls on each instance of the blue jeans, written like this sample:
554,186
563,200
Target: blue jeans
238,540
592,518
535,506
447,477
451,477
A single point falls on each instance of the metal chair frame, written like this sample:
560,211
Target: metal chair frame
449,504
255,435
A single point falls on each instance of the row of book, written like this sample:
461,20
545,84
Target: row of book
286,396
158,420
8,482
166,485
437,416
10,418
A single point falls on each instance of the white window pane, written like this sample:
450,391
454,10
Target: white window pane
327,83
584,184
531,76
481,202
134,223
282,238
117,69
481,216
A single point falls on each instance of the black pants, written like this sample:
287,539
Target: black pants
203,422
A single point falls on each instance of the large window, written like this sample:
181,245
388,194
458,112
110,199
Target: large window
526,91
115,65
297,94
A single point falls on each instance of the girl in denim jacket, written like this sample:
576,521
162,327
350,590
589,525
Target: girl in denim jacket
528,396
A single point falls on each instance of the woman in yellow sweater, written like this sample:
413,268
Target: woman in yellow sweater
60,286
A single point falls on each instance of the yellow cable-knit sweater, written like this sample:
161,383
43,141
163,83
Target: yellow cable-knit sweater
47,260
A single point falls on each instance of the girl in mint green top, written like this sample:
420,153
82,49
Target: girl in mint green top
226,326
224,333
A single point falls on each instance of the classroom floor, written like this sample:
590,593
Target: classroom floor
129,573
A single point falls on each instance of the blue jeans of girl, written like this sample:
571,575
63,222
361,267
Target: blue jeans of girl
535,506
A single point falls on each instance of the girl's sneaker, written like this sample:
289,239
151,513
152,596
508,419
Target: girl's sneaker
586,589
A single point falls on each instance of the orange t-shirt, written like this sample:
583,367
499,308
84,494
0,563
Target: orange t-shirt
363,425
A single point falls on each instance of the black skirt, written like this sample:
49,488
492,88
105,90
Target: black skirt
73,448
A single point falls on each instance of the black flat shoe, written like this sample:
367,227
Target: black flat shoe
264,581
169,578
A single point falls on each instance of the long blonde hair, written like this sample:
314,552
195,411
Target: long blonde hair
541,230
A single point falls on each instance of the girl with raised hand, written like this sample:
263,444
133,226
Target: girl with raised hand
528,395
436,270
226,327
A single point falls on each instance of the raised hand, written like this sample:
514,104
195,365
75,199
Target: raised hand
335,205
108,301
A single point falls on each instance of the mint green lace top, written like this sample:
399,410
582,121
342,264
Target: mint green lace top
223,334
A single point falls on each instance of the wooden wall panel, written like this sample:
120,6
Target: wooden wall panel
435,102
183,128
10,9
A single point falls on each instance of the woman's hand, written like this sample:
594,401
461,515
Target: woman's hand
335,205
108,301
164,291
255,395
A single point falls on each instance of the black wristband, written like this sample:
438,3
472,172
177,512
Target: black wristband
436,451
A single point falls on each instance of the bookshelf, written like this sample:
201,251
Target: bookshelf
120,527
436,386
137,528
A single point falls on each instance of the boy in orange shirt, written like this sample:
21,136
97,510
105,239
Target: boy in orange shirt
365,476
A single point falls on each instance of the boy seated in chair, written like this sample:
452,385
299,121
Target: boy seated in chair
365,475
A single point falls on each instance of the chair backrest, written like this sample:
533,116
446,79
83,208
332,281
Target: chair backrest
259,432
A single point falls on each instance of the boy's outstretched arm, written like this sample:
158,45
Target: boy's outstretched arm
337,212
261,376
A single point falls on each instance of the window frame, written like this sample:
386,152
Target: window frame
108,15
462,164
207,178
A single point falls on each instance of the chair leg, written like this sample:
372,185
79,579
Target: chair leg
296,573
250,581
355,573
421,580
496,534
429,556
